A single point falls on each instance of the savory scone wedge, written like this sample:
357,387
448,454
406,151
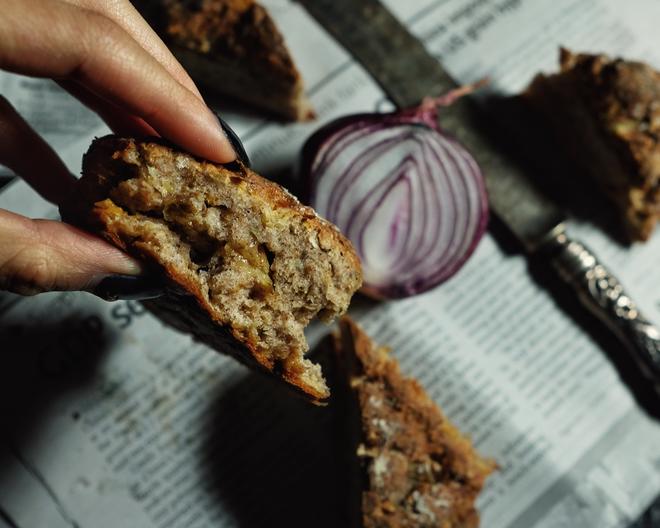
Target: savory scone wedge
417,469
233,48
248,267
606,114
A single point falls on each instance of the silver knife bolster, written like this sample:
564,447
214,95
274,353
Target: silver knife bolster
604,296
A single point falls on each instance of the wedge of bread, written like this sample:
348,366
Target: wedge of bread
248,267
417,469
232,48
606,114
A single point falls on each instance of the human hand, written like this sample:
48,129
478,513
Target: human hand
108,57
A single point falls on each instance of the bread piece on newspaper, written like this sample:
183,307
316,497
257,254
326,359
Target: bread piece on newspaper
249,266
232,48
606,113
418,469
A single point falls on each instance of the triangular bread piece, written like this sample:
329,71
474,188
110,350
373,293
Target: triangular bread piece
232,48
417,468
246,265
606,114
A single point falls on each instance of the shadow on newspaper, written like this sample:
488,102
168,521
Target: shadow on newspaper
528,141
275,458
42,360
616,353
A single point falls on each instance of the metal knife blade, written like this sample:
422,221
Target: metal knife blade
407,73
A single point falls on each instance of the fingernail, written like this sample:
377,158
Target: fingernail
234,140
128,287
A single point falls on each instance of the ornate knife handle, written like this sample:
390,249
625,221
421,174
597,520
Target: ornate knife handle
603,294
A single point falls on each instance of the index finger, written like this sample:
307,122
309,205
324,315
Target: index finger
63,41
125,15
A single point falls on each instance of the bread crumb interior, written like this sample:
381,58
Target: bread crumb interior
259,272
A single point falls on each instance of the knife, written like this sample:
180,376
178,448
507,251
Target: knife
407,73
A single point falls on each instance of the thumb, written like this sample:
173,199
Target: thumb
44,255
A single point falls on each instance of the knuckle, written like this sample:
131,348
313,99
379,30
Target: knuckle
100,33
28,272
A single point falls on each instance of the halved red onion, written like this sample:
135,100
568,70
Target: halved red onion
410,197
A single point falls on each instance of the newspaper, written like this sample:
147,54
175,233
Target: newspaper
115,420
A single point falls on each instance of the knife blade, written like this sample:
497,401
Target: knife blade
407,73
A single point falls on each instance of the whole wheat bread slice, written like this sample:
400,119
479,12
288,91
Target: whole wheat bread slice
605,113
247,266
232,48
415,467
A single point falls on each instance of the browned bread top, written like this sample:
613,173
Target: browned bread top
241,29
420,471
248,265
